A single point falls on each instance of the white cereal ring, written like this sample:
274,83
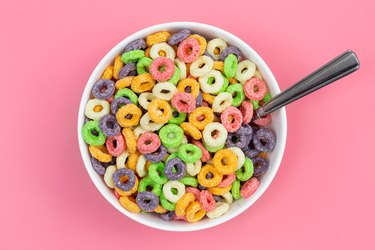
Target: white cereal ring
201,66
222,101
216,43
246,70
156,48
96,115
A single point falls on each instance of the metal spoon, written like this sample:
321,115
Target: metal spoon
339,67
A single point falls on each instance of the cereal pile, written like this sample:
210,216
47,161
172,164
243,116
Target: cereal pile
170,126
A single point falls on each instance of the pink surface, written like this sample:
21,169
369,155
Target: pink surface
323,195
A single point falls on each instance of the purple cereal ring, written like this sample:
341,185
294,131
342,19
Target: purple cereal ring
119,181
200,187
260,166
264,140
148,142
178,37
108,124
158,155
103,89
237,140
168,216
136,45
209,55
199,100
229,50
128,70
97,166
147,201
118,103
177,165
246,129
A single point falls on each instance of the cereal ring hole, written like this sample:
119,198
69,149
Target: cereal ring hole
94,132
216,51
174,191
98,108
129,116
188,89
211,80
175,114
209,175
162,53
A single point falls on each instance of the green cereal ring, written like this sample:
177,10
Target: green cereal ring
156,173
230,65
125,92
236,189
189,153
90,138
143,65
132,56
237,92
189,181
267,97
166,204
177,117
255,104
246,171
172,156
176,76
171,135
213,149
146,183
223,88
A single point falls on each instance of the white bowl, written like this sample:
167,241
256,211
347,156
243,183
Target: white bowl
279,126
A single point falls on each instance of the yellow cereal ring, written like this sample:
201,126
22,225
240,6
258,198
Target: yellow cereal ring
159,111
131,191
131,142
220,191
225,161
108,73
124,111
129,204
117,66
158,37
218,65
183,203
201,41
142,83
233,80
100,153
195,212
132,160
212,182
189,83
160,210
208,98
263,155
191,130
147,52
124,82
201,117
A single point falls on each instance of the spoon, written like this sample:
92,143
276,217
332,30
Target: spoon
339,67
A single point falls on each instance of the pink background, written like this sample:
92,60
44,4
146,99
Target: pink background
323,194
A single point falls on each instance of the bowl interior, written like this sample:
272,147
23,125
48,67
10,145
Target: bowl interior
279,126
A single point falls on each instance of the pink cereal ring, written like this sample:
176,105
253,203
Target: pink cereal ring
188,50
207,201
184,102
115,145
117,195
110,99
231,118
246,111
179,218
205,154
157,64
194,191
227,180
204,104
263,121
249,187
255,89
148,143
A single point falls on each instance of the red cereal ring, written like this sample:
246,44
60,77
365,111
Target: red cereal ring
204,104
205,154
249,187
255,89
117,195
194,191
263,121
159,63
207,201
231,118
115,145
110,99
183,102
148,143
188,50
227,180
246,111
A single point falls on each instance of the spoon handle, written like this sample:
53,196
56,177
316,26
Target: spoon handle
339,67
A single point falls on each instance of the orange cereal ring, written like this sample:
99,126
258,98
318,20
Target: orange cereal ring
219,65
195,212
158,37
100,153
225,161
191,130
201,117
220,191
159,111
188,68
131,142
201,41
160,210
128,115
129,204
263,155
142,83
209,181
132,160
117,66
147,52
124,82
208,98
233,80
108,73
189,85
183,203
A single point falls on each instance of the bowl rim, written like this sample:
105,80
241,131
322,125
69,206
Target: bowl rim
83,147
